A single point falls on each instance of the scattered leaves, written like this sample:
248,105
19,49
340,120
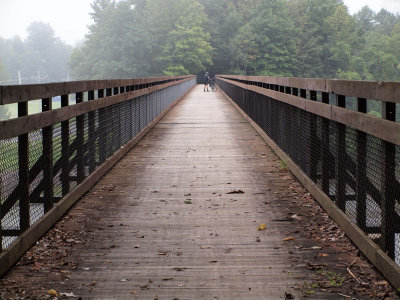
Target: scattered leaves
262,226
52,292
291,238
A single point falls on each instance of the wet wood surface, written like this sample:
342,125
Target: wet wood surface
178,218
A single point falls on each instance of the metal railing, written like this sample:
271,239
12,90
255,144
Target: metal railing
46,157
323,127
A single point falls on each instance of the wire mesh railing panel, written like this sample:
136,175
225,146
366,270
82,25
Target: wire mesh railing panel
359,172
39,168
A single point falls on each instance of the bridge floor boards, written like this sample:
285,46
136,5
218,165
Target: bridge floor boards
177,217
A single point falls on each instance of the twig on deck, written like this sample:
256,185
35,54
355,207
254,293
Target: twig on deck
351,273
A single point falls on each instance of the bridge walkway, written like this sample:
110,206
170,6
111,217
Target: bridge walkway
178,218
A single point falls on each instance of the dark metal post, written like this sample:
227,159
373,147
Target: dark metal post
47,157
23,172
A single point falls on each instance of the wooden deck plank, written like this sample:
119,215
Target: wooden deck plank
177,217
204,148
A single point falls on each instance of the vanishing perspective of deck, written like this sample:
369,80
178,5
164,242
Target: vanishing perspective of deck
179,218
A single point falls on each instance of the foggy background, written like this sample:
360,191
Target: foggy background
54,40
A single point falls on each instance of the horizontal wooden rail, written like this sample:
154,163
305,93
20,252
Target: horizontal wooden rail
382,91
380,128
25,124
21,93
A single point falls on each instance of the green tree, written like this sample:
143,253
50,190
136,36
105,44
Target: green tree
365,18
224,21
116,46
244,50
187,49
274,36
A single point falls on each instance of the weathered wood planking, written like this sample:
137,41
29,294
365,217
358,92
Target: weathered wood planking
139,239
199,152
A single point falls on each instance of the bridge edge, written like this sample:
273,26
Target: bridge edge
374,254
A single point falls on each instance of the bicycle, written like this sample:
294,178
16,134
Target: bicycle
213,86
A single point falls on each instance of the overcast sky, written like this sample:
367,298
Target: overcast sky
70,18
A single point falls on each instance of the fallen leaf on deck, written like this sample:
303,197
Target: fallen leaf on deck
288,239
323,254
93,283
262,226
162,253
52,293
235,192
169,278
187,195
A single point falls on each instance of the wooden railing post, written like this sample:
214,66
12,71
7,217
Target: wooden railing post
91,161
47,157
65,149
340,176
23,172
314,154
80,146
388,209
361,193
325,151
101,144
110,127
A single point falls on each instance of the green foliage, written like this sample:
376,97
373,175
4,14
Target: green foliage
334,279
187,49
309,288
303,38
274,36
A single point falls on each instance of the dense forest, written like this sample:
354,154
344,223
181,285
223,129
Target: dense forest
138,38
304,38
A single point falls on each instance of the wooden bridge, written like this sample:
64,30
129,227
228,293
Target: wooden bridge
179,194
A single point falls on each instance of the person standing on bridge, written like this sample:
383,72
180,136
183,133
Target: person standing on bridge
206,81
